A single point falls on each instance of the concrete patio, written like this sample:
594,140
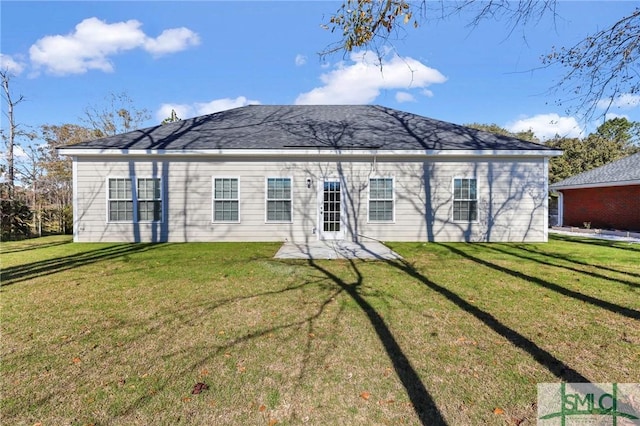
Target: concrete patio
372,250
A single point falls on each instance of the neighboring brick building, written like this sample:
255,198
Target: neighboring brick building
607,197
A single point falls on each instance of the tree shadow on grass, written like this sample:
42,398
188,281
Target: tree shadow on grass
623,245
218,350
422,402
612,307
27,271
33,245
555,264
556,366
570,259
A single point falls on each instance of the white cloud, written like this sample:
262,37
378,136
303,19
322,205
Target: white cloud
172,40
222,104
202,108
362,80
7,63
300,60
404,97
546,126
623,101
94,41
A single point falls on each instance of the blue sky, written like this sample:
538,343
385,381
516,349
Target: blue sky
200,57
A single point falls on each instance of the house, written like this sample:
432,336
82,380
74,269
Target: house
607,197
300,173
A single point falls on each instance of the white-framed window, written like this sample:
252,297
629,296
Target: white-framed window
381,200
120,200
149,200
126,205
226,199
465,199
278,200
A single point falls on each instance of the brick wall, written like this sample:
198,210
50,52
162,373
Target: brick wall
616,207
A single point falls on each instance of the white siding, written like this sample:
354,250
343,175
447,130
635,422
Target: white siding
511,198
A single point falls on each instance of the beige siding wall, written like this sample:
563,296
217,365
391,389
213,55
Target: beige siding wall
511,197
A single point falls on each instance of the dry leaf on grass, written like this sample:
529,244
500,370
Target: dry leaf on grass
365,395
77,360
273,422
262,408
199,387
498,410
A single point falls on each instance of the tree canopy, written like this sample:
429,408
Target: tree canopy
614,139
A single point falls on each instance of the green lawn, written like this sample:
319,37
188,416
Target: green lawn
110,334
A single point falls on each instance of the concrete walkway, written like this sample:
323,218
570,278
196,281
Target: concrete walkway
336,250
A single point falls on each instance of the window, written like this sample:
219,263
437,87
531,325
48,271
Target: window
225,200
278,200
144,205
120,200
465,200
381,200
149,200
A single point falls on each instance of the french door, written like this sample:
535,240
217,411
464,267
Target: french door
330,210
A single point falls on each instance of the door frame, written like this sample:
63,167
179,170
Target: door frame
330,235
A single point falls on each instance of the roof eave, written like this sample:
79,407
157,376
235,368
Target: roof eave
557,187
309,151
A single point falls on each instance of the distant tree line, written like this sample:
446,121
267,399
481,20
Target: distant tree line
36,190
612,140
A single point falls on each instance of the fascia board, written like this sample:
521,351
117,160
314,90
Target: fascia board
308,152
595,185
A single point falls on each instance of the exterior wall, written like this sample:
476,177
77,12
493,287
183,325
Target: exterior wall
512,197
614,207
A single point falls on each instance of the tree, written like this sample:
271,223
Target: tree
600,69
10,139
611,141
494,128
119,115
10,207
172,118
57,186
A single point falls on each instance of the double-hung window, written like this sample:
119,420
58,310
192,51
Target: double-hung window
226,204
149,200
120,200
465,200
278,199
127,205
381,200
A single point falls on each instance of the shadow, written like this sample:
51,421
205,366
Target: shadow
567,267
34,245
556,366
570,259
187,318
422,402
24,272
623,245
612,307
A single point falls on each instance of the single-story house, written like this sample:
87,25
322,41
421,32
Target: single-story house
607,197
299,173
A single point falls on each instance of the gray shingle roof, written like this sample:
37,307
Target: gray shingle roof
619,172
310,126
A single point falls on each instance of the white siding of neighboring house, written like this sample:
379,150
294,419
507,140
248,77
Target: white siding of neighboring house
512,198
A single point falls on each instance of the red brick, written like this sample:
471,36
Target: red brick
614,207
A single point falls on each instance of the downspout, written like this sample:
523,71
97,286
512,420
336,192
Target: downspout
560,208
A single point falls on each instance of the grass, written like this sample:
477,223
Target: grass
110,334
